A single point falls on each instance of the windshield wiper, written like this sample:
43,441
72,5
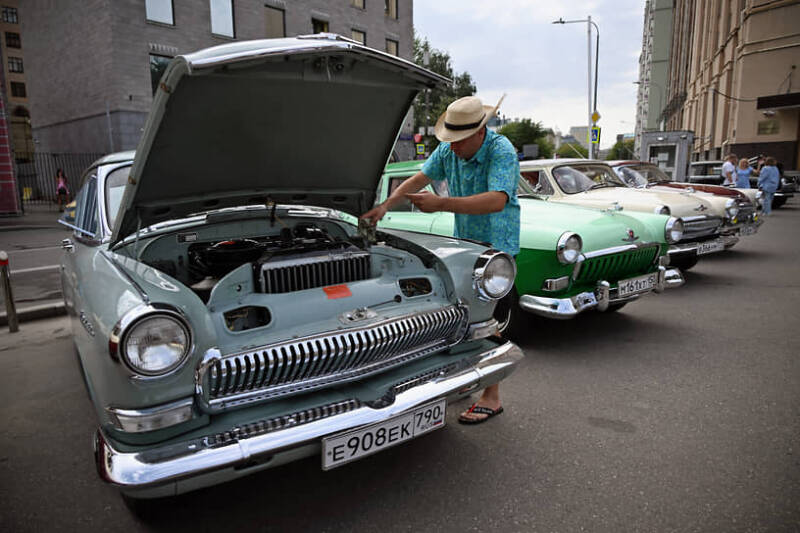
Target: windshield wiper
598,186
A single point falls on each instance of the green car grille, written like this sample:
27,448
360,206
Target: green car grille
617,266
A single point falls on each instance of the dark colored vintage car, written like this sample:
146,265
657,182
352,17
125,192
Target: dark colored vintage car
710,173
227,318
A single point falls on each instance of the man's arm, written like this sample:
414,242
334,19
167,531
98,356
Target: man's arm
477,204
411,185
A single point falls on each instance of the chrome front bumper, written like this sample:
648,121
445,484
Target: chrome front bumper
691,247
599,299
178,468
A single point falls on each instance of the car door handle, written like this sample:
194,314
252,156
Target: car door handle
67,245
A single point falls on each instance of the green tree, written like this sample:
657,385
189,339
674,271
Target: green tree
621,150
427,111
572,150
526,131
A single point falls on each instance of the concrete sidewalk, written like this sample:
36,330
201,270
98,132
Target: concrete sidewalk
36,217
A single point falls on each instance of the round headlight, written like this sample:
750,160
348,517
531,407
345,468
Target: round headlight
155,344
731,208
662,210
494,275
760,199
569,248
673,230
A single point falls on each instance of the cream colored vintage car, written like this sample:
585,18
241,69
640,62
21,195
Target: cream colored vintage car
591,183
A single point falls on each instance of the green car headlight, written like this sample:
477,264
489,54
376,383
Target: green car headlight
673,230
494,275
155,344
569,248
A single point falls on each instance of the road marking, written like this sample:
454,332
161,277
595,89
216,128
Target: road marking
34,249
35,269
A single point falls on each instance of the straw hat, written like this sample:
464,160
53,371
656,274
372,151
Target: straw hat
463,118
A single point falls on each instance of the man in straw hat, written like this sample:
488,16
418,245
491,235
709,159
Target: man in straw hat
482,170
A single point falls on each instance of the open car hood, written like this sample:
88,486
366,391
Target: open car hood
308,120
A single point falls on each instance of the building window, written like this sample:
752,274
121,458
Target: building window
276,22
15,64
158,64
391,8
10,15
159,11
359,36
222,17
12,40
18,89
319,26
357,3
392,47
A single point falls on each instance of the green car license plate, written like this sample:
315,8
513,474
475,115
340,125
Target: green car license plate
346,447
639,284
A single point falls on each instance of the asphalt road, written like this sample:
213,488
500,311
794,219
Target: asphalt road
679,413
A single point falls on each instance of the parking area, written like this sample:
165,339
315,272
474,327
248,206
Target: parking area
678,413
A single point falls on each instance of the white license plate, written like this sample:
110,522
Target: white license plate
346,447
747,230
637,285
709,247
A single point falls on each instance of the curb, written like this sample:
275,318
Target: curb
35,312
28,227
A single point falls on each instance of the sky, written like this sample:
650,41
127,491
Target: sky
510,46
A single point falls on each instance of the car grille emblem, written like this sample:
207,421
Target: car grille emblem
631,236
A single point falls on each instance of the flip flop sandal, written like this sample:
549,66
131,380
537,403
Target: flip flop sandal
481,411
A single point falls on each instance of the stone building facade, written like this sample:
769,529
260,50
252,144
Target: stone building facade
734,77
92,68
653,67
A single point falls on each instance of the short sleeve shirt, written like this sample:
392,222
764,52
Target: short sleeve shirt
495,167
727,167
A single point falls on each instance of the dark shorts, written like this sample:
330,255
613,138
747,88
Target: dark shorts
61,192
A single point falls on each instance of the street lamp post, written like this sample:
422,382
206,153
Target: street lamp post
592,110
660,99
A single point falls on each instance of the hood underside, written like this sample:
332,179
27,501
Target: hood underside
308,120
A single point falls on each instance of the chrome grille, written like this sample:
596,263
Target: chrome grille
294,275
695,227
617,266
302,365
746,213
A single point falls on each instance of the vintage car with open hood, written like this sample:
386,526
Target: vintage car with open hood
572,259
739,208
227,317
594,184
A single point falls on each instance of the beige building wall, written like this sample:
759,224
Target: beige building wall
726,54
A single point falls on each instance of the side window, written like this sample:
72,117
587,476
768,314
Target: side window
115,188
538,182
405,205
86,209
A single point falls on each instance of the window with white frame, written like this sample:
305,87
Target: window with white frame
222,17
159,11
359,36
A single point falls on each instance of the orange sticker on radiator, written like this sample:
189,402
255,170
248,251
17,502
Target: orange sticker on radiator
337,291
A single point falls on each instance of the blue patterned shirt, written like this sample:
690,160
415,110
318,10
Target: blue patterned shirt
494,167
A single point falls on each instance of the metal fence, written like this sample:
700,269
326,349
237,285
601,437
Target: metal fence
36,174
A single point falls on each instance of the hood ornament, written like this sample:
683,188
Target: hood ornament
631,236
700,208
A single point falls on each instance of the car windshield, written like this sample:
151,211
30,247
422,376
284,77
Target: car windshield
641,175
579,177
115,187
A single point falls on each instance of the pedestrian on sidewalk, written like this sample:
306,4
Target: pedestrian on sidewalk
62,190
482,170
743,173
768,181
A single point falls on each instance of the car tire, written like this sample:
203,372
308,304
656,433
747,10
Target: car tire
684,263
778,202
613,308
146,509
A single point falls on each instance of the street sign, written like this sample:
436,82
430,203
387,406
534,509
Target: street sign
420,148
595,135
595,116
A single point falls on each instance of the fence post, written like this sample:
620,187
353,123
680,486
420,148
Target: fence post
11,310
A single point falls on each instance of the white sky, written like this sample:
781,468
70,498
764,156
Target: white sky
510,46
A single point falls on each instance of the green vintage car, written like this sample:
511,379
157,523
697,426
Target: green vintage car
571,259
226,317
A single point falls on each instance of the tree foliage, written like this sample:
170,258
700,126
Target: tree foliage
526,131
426,113
621,150
572,150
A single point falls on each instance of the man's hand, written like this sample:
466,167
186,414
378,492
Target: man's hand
426,202
374,215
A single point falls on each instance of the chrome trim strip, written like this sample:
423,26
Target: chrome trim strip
156,466
76,228
620,249
142,294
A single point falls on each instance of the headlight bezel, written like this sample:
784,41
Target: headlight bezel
480,269
732,208
133,319
662,210
562,248
670,227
